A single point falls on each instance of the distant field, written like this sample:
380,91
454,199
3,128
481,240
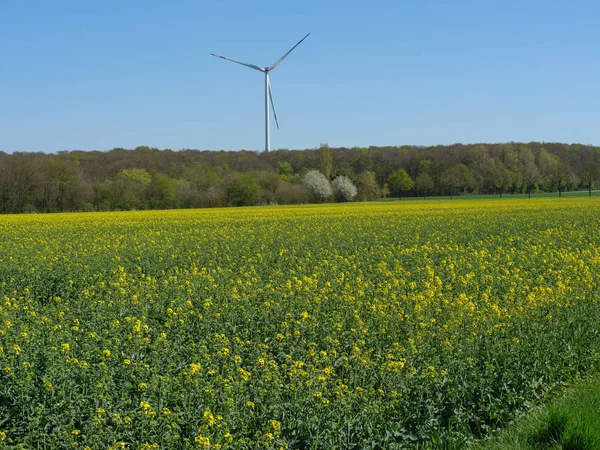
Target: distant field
372,325
492,196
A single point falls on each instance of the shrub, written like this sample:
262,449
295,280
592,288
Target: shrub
344,188
288,193
317,186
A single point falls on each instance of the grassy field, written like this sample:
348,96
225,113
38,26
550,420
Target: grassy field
422,324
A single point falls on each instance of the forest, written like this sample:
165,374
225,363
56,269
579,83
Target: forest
149,178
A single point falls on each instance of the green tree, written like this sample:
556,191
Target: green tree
545,163
457,179
284,169
21,181
589,168
127,188
201,176
241,190
4,186
160,192
561,176
269,183
325,160
368,189
424,184
101,195
531,176
555,171
60,189
502,177
399,182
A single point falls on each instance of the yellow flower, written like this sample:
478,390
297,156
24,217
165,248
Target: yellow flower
145,405
203,441
244,374
149,446
208,416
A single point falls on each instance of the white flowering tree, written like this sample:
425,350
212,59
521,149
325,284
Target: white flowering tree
317,185
344,188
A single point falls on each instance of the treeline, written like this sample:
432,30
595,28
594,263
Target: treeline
148,178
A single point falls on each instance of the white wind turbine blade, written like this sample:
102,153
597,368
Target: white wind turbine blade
252,66
273,105
276,63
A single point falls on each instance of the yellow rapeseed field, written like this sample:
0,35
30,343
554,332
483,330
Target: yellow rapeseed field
375,325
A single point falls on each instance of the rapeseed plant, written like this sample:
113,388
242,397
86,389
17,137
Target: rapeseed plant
330,326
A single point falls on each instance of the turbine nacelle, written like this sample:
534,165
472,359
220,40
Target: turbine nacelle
268,93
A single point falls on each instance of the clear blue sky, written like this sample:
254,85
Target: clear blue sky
102,74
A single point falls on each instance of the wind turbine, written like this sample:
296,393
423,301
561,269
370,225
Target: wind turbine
268,94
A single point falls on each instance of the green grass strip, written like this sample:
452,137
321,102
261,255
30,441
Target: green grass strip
569,422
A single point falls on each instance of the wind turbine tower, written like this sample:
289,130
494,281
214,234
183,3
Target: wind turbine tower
268,94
